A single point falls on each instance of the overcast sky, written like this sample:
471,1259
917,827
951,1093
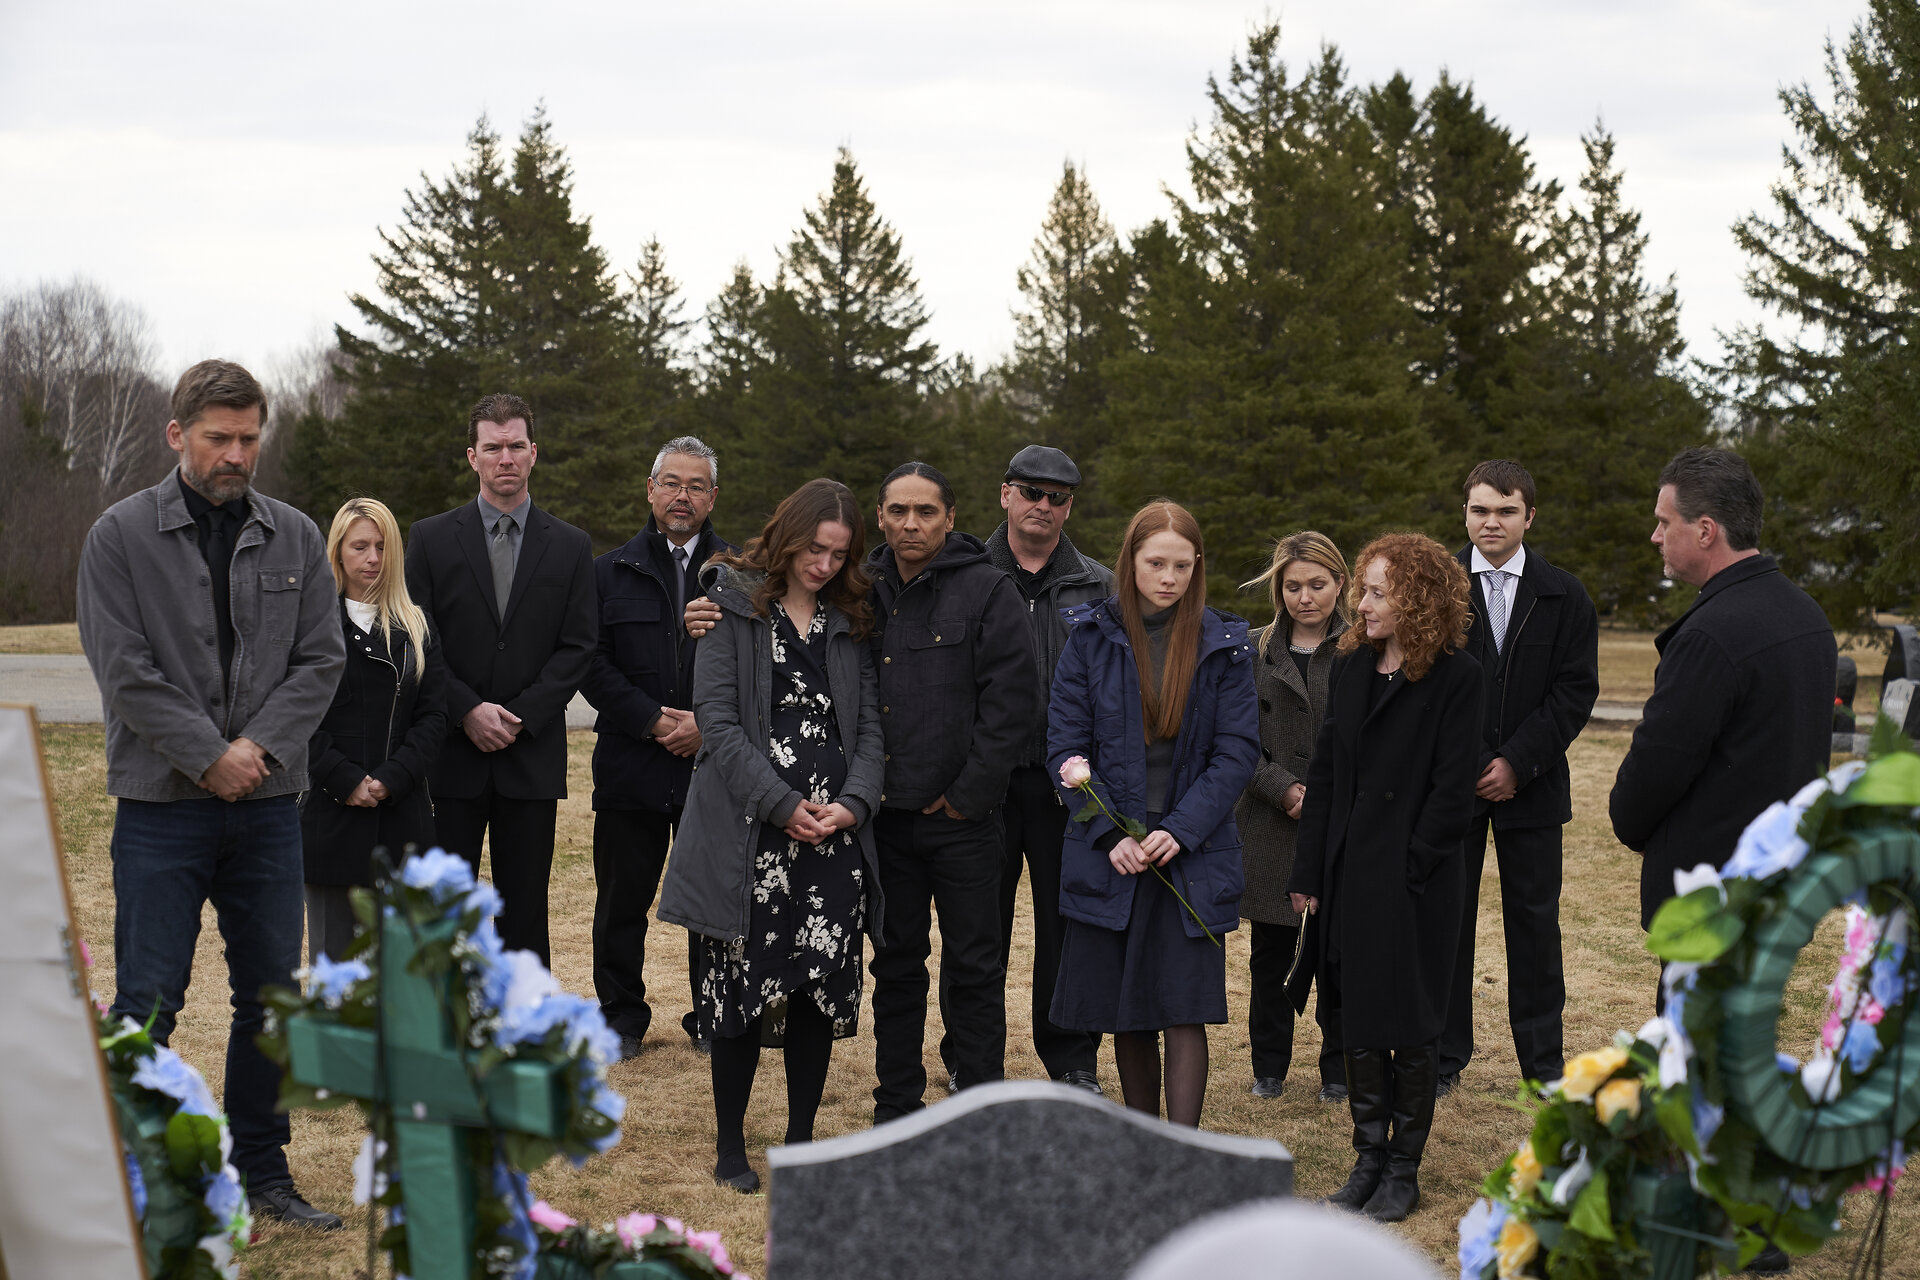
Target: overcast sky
225,166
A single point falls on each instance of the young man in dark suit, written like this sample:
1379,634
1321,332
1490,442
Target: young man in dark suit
510,589
1536,636
641,682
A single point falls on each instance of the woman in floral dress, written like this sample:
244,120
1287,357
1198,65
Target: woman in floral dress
773,864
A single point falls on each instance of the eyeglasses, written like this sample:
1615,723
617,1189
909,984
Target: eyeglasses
694,490
1033,493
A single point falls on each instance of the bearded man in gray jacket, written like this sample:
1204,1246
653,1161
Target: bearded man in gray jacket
207,612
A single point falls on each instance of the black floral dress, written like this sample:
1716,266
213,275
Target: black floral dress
809,901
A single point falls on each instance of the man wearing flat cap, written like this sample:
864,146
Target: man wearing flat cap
1031,547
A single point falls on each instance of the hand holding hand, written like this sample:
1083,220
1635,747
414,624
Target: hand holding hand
1304,904
834,817
1295,800
1498,781
702,615
803,826
363,797
490,726
1128,858
1160,846
240,768
676,731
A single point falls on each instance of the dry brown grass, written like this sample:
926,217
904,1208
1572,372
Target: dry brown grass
664,1161
52,637
1627,660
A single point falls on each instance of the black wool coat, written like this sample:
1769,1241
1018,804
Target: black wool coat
1741,715
644,661
531,662
1540,688
1389,799
387,721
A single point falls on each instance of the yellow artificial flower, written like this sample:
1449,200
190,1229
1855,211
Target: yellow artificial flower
1616,1096
1588,1071
1526,1172
1516,1247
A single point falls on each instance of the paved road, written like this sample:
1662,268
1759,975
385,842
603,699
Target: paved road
62,691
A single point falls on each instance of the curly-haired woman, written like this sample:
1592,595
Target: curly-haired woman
788,707
1377,867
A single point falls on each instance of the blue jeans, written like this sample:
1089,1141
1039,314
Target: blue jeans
168,861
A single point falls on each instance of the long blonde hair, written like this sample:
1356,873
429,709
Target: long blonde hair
1306,547
392,606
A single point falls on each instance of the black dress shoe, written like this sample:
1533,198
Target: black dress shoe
283,1204
1445,1084
1082,1080
1268,1086
1770,1261
629,1048
1333,1093
746,1182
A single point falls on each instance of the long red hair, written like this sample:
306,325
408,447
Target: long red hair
1431,597
1163,702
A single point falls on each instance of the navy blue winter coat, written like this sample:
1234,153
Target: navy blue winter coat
1095,712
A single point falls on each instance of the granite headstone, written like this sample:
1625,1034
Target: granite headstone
1019,1178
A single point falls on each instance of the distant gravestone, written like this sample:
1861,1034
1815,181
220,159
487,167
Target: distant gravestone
1903,663
1020,1178
1898,704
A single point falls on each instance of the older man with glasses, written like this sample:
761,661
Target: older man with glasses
1032,548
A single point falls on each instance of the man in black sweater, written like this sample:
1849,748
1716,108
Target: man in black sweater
1742,707
1536,636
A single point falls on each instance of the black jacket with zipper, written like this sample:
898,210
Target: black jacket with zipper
387,721
959,684
1540,688
644,661
1068,579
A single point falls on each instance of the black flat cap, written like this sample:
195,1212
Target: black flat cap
1043,465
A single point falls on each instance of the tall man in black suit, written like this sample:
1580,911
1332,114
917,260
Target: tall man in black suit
641,682
1537,639
511,590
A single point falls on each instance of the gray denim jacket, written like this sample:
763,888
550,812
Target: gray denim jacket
147,625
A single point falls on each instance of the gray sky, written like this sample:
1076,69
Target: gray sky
226,166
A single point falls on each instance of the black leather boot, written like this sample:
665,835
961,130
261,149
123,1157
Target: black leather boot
1416,1072
1370,1098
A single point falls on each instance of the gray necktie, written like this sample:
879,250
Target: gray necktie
500,552
1496,580
679,579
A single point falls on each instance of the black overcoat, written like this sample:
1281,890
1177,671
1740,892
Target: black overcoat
1741,715
387,721
1389,799
531,662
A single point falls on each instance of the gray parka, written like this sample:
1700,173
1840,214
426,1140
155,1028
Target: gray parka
735,791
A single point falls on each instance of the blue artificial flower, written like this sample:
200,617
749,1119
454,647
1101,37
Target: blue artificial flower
608,1103
166,1072
1885,983
485,899
1786,1062
1478,1232
1770,844
588,1028
223,1196
1707,1118
138,1185
526,997
331,982
512,1187
1861,1044
442,874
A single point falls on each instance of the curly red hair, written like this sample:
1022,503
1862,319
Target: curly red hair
1430,593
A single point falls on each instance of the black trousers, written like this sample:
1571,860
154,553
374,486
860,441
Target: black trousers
522,856
1036,828
629,852
1529,860
929,862
1270,1020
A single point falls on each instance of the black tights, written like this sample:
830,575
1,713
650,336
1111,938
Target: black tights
1137,1054
809,1043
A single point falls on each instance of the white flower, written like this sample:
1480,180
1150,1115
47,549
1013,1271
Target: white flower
1770,844
1653,1032
1674,1053
368,1180
1821,1077
1842,776
1685,882
1568,1185
219,1252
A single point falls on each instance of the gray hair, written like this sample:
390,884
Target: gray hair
693,447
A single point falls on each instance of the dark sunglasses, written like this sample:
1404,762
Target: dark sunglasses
1033,493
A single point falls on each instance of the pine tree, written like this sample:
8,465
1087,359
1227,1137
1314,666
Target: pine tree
1830,402
1072,284
1270,388
663,382
1614,402
840,388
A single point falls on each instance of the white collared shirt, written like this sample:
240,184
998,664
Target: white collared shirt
1516,566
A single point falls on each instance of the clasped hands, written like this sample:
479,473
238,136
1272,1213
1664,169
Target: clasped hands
676,731
241,768
490,726
1130,857
811,822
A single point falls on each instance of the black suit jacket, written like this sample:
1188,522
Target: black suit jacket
1741,715
1540,687
530,663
